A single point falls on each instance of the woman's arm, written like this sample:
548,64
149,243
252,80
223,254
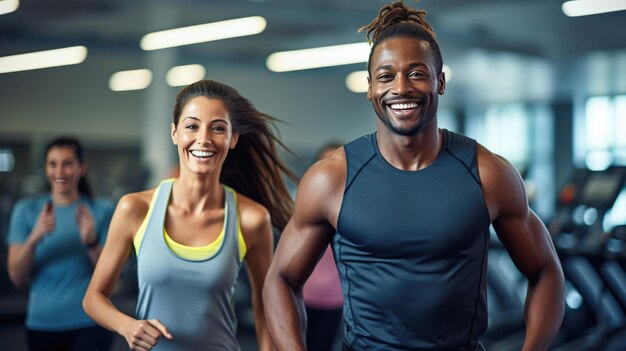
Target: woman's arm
140,335
257,232
22,256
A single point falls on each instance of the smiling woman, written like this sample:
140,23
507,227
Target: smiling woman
191,234
54,241
204,135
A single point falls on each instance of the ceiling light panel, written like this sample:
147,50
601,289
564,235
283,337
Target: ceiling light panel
326,56
184,75
43,59
203,32
357,82
576,8
130,80
8,6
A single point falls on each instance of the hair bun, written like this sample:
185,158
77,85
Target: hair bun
394,13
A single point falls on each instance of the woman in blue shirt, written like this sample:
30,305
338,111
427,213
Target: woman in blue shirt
54,241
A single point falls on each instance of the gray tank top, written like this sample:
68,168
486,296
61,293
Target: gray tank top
193,299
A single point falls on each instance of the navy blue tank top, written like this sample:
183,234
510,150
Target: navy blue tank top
411,249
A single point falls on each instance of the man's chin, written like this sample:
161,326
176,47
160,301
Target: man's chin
405,131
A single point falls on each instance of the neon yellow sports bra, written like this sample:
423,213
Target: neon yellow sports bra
192,253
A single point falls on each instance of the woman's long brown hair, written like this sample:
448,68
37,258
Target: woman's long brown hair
253,167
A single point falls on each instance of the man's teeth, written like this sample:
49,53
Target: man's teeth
404,106
60,180
199,153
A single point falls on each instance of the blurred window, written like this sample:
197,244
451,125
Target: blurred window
504,129
604,142
447,119
523,134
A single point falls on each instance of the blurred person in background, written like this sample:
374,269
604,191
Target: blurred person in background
54,242
322,292
191,234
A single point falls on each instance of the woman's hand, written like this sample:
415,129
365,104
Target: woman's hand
45,223
142,335
86,225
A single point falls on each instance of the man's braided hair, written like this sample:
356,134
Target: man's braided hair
398,20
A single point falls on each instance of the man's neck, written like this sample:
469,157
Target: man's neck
409,153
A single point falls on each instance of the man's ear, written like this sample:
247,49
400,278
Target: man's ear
369,88
441,88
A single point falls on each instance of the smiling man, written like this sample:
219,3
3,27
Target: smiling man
411,205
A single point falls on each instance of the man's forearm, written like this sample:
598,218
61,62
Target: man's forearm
544,309
285,314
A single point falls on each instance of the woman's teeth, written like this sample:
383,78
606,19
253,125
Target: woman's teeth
198,153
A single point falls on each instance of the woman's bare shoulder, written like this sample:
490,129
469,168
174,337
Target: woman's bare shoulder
134,206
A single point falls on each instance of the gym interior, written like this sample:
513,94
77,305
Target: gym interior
542,87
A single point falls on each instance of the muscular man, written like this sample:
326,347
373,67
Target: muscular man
411,205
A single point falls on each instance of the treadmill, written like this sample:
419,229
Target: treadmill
581,242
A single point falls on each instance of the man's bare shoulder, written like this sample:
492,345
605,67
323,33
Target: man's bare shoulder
494,168
327,173
320,191
503,187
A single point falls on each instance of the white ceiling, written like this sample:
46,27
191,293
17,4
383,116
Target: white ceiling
315,104
525,26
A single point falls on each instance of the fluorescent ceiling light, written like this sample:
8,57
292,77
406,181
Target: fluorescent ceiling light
183,75
43,59
357,81
576,8
130,80
8,6
203,32
318,57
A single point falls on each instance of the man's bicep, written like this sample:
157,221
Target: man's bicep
300,246
518,227
527,241
311,227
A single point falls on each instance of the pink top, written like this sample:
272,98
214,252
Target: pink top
323,289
